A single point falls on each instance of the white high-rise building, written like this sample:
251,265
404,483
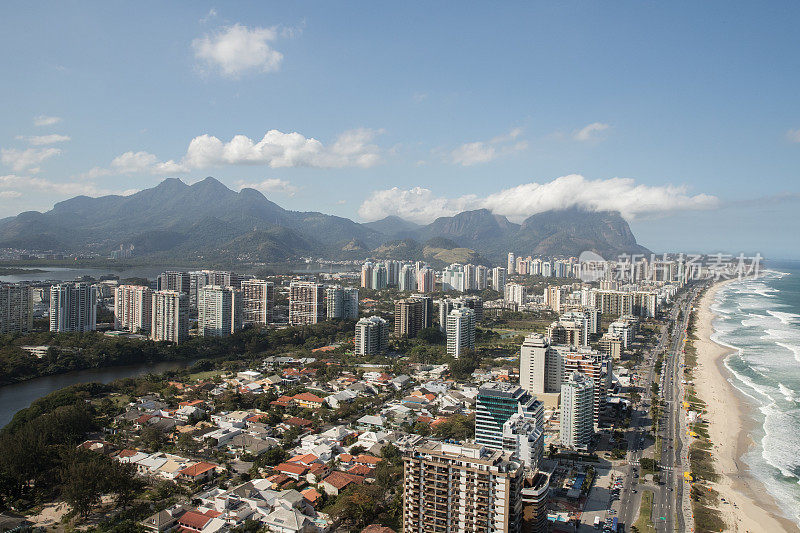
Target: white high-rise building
16,308
460,331
577,416
372,335
512,263
470,278
499,279
258,301
408,278
453,278
219,311
515,293
170,317
426,280
541,369
366,275
73,307
133,308
380,277
341,302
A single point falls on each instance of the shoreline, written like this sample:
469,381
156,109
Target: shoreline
730,426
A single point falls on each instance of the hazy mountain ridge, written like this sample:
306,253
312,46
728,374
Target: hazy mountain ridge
209,219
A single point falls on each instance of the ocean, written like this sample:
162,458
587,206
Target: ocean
760,319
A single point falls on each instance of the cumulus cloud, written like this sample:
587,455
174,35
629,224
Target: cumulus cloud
477,152
276,149
10,194
517,203
590,132
235,50
271,185
44,120
42,140
28,159
793,136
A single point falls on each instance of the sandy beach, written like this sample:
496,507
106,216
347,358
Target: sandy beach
729,427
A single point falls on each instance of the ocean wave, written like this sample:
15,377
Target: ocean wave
795,349
787,319
788,393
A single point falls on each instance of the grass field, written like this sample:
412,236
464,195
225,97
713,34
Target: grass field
644,524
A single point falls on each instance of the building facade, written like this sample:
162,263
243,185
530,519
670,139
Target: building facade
258,301
16,308
464,488
460,331
133,308
73,307
372,336
219,311
306,303
170,317
577,420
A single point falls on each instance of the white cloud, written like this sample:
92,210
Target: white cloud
44,120
271,185
354,148
42,140
20,160
10,194
237,49
590,132
212,14
793,136
41,185
477,152
517,203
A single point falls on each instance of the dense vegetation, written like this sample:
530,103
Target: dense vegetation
78,351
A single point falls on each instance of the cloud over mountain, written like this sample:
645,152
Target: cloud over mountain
421,205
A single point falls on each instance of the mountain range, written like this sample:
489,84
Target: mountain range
207,220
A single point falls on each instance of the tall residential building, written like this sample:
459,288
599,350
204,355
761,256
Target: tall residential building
515,293
451,487
499,279
577,420
426,280
219,311
380,277
460,331
73,307
409,317
427,308
16,308
341,302
133,308
512,263
571,328
258,301
540,368
366,275
453,278
508,418
470,280
372,336
407,278
172,280
170,317
392,272
306,303
462,302
481,277
535,496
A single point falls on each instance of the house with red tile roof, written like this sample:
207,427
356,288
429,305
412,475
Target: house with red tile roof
297,421
311,494
193,521
361,470
201,471
307,400
293,470
367,460
338,481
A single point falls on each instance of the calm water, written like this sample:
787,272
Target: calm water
20,395
760,319
69,274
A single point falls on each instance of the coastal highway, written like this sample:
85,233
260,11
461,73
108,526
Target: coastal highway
668,492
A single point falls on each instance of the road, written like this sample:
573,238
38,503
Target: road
668,492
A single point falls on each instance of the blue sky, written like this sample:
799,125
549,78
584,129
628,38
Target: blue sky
682,115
